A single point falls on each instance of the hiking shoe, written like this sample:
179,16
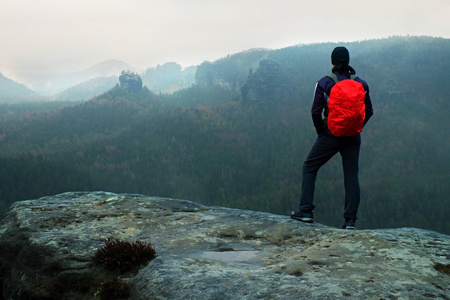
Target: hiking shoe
306,217
349,224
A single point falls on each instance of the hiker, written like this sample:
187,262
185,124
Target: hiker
328,144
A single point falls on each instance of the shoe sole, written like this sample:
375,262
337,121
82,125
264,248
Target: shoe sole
303,219
350,227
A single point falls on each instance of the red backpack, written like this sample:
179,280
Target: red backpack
346,107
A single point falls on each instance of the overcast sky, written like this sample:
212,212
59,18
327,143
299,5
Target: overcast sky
39,36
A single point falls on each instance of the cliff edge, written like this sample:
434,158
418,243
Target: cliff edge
47,249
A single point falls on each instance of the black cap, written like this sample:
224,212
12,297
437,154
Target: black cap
340,56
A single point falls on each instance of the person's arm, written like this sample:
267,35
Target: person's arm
368,104
319,103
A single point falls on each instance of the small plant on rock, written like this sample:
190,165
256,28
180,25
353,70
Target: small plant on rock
123,256
113,289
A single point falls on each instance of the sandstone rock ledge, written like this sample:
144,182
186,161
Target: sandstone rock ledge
47,247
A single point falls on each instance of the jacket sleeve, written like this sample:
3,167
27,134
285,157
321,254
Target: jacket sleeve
319,104
368,104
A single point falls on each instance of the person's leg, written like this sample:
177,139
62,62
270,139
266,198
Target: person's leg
323,149
350,164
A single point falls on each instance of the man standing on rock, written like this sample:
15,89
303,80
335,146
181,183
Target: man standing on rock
331,140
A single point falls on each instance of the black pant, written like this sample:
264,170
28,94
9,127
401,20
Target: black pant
325,147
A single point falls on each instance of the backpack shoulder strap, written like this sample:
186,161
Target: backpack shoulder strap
333,76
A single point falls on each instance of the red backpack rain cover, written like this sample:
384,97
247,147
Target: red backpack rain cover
346,107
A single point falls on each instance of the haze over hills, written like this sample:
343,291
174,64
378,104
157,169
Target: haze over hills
83,85
51,84
169,77
11,90
239,135
87,89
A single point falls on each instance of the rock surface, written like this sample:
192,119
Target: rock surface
131,81
47,247
268,83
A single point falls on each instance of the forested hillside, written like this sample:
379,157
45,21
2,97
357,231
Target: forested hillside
238,137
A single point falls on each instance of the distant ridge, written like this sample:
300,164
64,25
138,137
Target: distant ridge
52,84
87,89
11,91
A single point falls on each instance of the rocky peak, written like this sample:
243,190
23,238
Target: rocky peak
267,83
131,81
47,248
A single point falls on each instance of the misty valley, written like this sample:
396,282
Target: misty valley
235,132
